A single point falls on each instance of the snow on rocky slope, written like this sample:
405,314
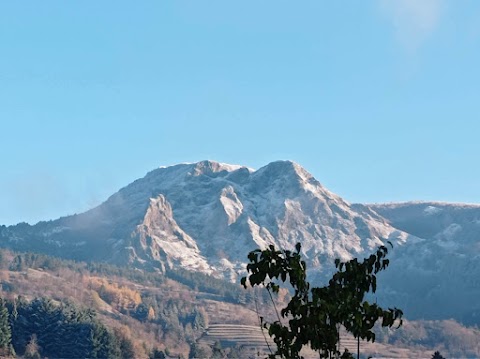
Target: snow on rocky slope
438,277
207,216
448,224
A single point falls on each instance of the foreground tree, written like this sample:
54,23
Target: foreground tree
314,315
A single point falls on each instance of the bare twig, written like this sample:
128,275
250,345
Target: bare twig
274,305
260,321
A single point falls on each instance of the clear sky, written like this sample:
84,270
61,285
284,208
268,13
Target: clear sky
379,100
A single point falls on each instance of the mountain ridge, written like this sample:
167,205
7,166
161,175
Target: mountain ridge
208,215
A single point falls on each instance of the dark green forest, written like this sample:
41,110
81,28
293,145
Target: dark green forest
43,328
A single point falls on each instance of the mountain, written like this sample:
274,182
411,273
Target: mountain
207,216
450,224
438,277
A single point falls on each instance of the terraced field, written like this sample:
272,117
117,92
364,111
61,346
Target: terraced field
231,334
253,341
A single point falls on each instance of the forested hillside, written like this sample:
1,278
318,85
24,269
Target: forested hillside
128,313
117,312
44,328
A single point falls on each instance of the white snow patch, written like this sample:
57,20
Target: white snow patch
374,242
400,237
54,230
431,210
231,204
231,168
256,232
449,232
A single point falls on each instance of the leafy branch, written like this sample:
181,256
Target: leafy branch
314,315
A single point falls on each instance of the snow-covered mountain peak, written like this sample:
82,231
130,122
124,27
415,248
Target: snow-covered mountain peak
282,176
205,167
288,179
283,168
208,167
208,215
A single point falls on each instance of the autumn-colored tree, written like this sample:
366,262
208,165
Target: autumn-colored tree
32,351
120,297
151,313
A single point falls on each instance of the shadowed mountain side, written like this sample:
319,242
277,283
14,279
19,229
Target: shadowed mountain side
439,277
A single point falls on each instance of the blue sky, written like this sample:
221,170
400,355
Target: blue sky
379,100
